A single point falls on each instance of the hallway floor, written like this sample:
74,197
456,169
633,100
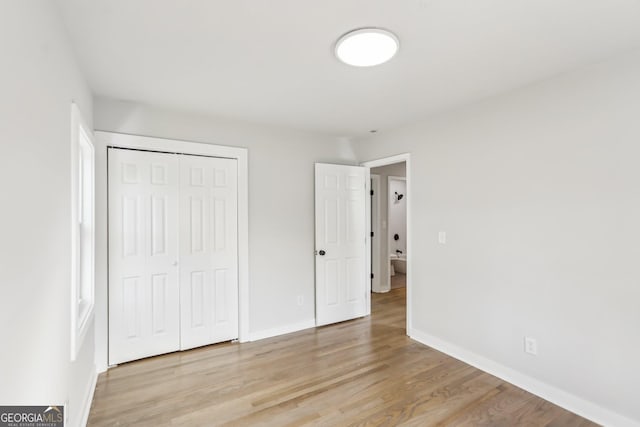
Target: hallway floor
398,280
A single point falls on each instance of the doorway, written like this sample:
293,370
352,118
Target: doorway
397,228
390,225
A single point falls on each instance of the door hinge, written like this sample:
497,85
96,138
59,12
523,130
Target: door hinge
372,275
372,234
371,192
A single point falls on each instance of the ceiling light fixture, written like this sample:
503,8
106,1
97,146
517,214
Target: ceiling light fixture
367,47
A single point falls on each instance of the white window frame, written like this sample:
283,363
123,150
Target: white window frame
82,229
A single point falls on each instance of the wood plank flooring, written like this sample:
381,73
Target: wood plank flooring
364,372
399,280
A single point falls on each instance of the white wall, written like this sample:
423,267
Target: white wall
281,201
538,191
395,169
397,216
38,81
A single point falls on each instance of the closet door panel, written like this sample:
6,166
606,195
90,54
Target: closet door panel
143,253
208,250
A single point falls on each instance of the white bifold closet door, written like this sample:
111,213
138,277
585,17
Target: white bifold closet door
172,253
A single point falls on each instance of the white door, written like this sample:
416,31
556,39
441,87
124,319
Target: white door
143,254
208,250
341,258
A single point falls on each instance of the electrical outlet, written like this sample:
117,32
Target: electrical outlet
442,237
300,300
530,346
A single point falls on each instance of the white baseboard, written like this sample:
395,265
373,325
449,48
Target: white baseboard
281,330
566,400
86,405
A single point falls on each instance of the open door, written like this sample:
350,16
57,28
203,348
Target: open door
342,290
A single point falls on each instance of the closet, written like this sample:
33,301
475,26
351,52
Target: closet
173,252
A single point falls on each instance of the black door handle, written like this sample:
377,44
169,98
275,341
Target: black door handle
322,252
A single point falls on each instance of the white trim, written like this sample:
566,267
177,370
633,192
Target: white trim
282,330
86,405
80,321
111,139
399,158
367,239
553,394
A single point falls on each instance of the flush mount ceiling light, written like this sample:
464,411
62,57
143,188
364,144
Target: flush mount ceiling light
367,47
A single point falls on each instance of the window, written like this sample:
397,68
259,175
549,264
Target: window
82,229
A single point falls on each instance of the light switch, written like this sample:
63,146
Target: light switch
442,237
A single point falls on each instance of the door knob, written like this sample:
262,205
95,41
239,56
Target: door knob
322,252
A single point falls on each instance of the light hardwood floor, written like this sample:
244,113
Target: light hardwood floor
364,372
398,280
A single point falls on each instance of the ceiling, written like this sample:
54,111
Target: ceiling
272,61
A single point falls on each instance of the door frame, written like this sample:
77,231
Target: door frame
375,229
104,140
398,158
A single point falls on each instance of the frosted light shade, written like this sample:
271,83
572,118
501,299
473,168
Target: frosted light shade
367,47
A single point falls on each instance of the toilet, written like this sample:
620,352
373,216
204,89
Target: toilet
398,262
